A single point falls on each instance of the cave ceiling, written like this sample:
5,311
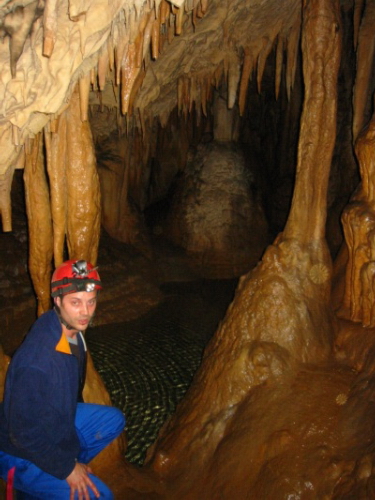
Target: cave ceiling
140,57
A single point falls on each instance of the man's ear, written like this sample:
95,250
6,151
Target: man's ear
57,301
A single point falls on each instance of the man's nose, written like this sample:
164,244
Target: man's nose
85,308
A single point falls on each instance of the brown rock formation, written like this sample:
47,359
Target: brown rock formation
215,215
282,405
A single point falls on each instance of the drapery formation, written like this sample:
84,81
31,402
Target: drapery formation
63,208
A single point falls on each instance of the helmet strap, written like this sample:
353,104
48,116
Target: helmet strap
62,320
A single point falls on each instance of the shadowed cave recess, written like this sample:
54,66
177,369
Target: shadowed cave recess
216,161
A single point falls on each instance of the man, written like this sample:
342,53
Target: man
47,436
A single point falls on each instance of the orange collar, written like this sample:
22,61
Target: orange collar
63,345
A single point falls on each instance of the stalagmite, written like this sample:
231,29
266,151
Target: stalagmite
83,190
362,105
39,224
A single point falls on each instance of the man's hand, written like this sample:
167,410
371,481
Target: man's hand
79,481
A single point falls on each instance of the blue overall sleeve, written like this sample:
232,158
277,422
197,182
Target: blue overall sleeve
41,423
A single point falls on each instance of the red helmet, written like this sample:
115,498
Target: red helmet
75,276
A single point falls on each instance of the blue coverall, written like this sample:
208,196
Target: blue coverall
44,431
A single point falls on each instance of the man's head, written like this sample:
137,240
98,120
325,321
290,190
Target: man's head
74,287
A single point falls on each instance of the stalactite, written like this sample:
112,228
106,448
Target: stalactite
204,97
129,73
292,55
136,86
39,223
279,64
111,53
147,36
93,79
193,93
358,10
84,92
179,20
246,71
365,64
49,27
5,200
155,39
121,48
141,38
102,68
15,135
56,141
262,58
171,28
131,23
204,6
83,189
233,80
183,95
165,9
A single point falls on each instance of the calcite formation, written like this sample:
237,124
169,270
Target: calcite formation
282,405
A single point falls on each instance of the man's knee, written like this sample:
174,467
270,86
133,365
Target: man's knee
103,489
116,420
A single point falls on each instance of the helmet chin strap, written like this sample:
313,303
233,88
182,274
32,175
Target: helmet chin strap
62,320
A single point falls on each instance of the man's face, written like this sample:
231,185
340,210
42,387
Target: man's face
77,309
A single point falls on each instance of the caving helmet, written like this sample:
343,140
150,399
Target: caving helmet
75,276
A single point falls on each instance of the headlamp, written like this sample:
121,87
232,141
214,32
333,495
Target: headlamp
90,287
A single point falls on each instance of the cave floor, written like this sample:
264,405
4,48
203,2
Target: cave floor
147,364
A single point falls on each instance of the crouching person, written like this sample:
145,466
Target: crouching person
47,435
